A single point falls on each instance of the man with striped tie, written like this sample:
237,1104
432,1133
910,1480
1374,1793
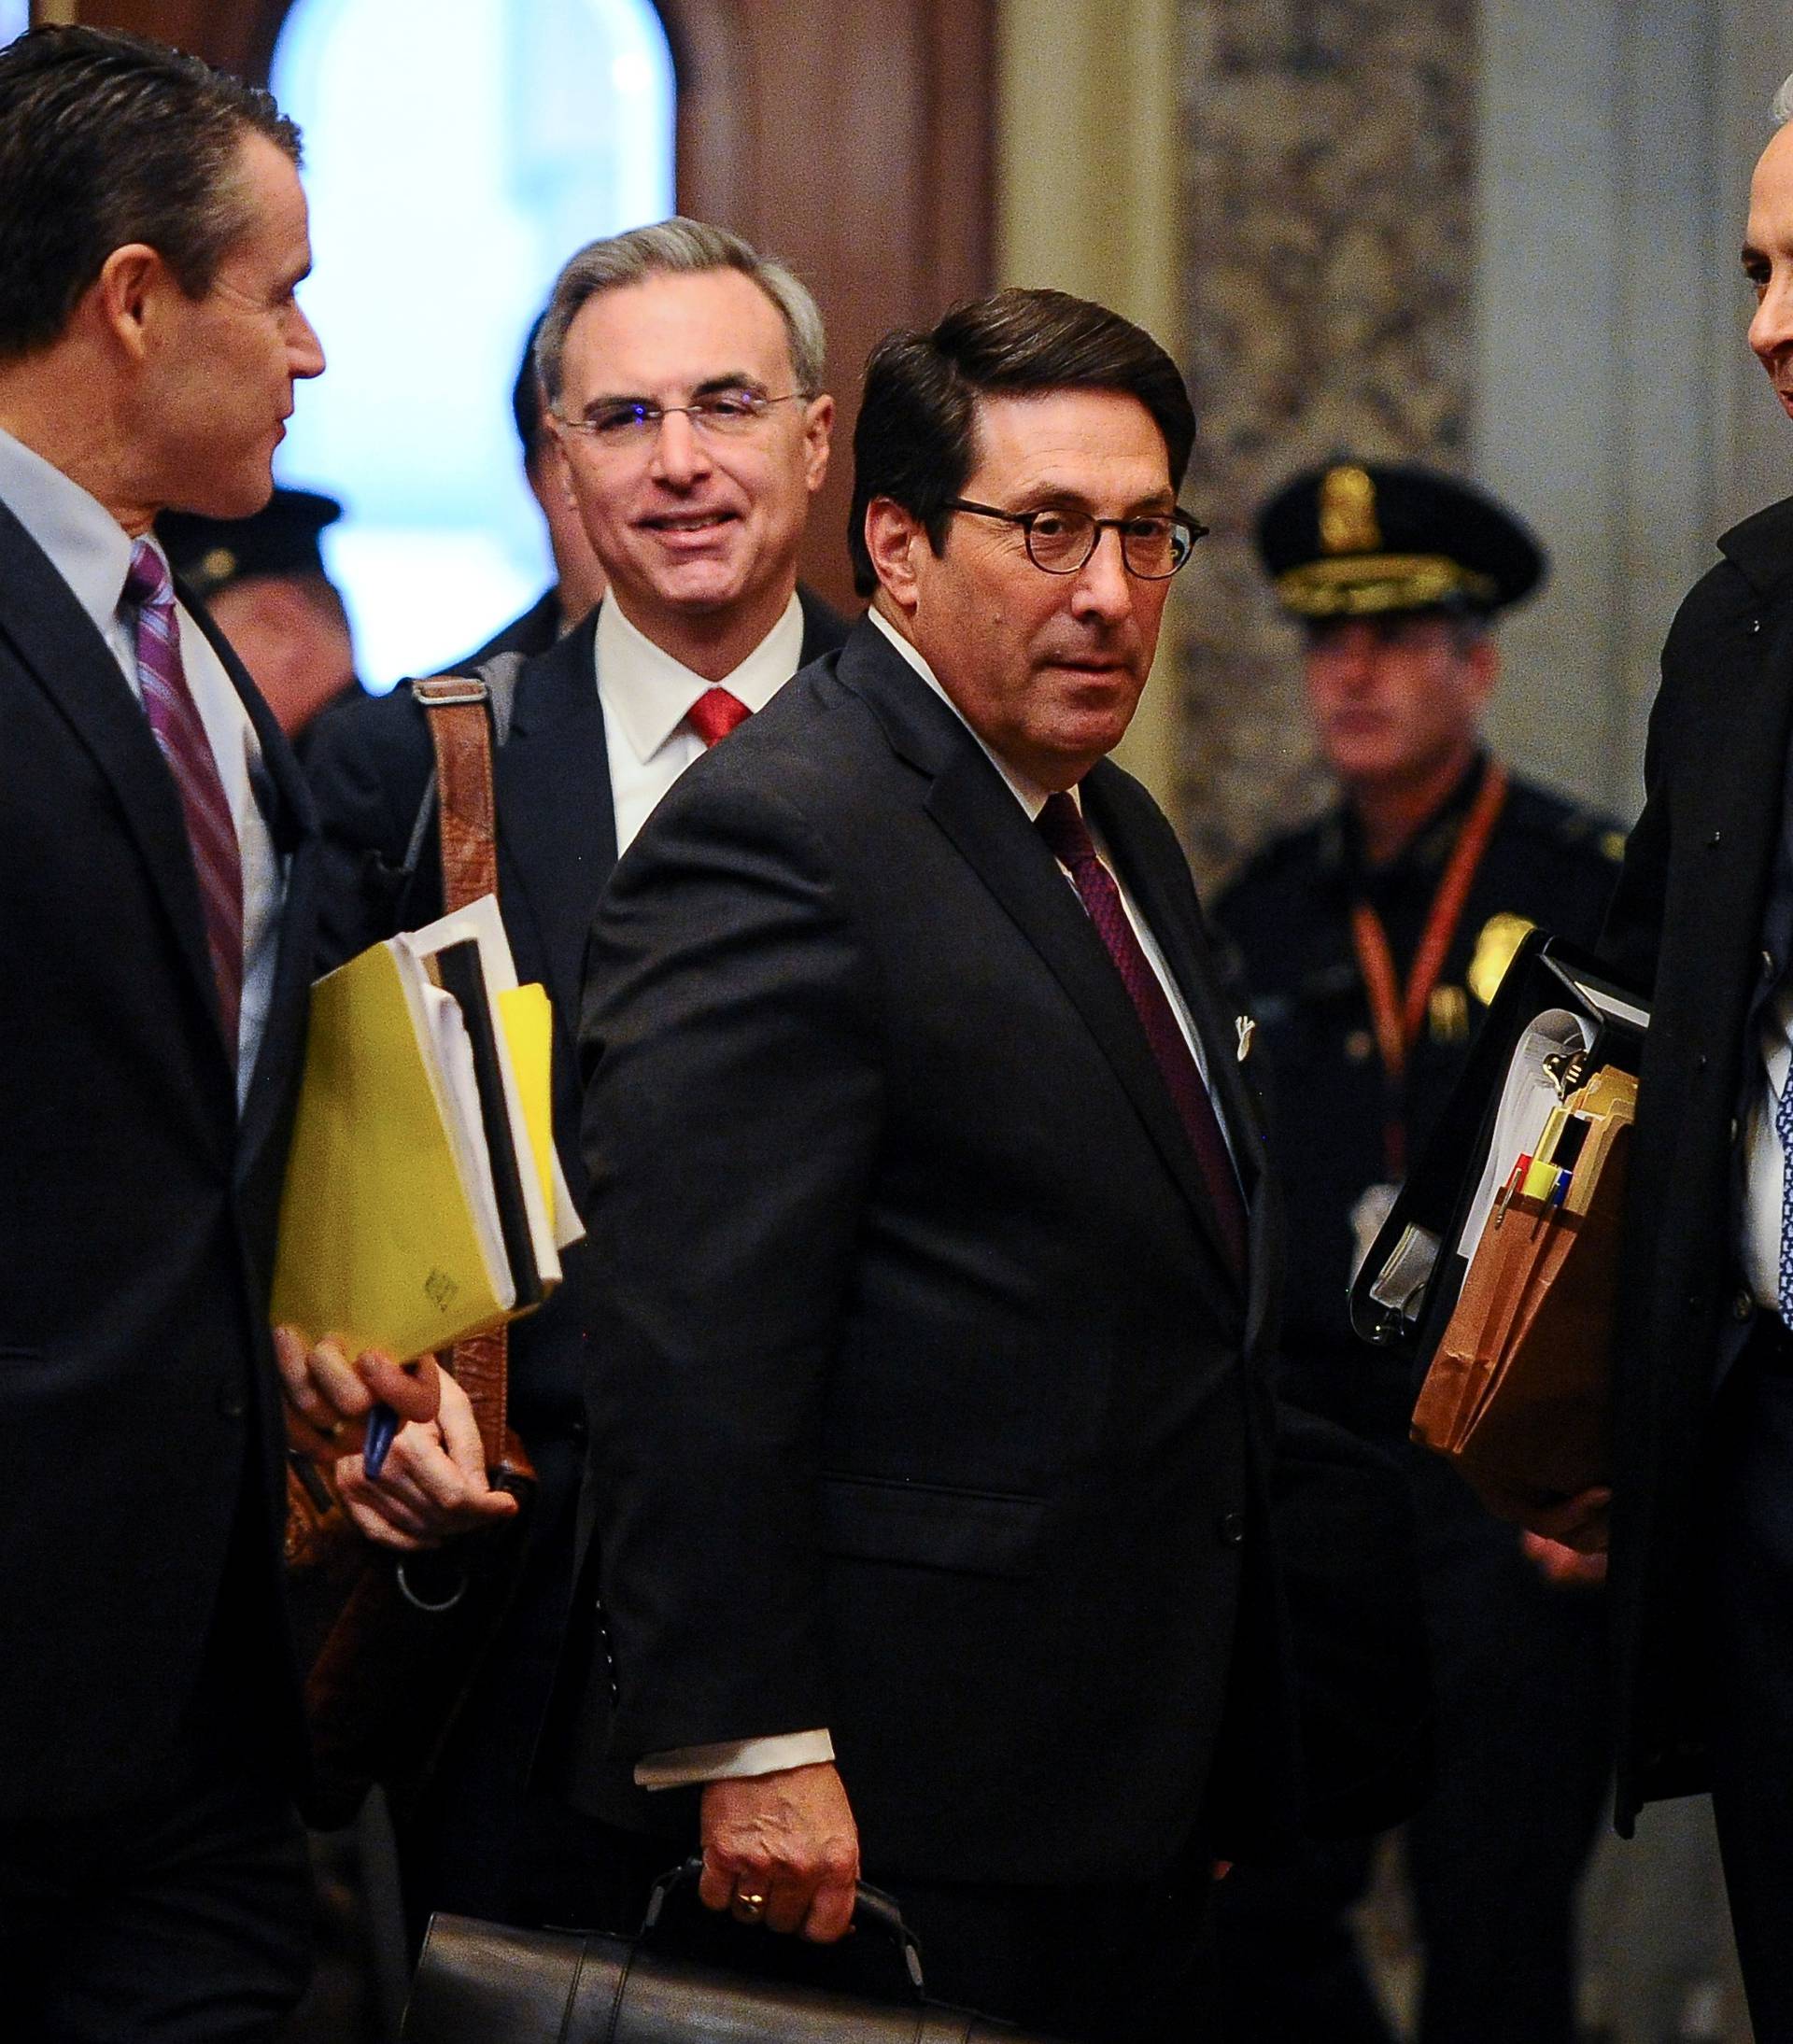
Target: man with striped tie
683,375
156,842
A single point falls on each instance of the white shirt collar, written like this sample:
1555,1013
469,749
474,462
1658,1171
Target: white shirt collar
647,692
86,545
1031,796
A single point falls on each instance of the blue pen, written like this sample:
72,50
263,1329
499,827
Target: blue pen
382,1426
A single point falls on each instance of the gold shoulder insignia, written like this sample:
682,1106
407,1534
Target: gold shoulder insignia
1501,935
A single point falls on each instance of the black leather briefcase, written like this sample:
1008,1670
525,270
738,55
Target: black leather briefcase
487,1984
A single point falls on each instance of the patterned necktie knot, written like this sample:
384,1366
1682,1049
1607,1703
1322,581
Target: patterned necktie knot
147,581
715,714
1067,834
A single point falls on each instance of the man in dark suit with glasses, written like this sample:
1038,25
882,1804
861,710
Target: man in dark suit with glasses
932,1263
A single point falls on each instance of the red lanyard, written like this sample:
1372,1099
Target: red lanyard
1398,1020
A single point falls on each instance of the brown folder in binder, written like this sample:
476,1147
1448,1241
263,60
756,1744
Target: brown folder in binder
1517,1394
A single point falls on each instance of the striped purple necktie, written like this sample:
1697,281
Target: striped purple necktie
1060,824
175,719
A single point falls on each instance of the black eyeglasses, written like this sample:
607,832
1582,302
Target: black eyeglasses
635,424
1154,544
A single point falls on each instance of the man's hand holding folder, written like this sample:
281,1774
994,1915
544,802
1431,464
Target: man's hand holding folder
330,1399
433,1483
423,1204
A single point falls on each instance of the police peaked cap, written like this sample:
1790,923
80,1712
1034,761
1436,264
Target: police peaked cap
1362,539
280,538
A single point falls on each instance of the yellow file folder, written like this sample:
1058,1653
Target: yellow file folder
391,1234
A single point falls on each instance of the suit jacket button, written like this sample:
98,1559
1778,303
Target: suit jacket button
231,1402
1231,1529
578,1433
1743,1308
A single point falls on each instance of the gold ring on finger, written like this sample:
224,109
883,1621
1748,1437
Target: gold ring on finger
751,1906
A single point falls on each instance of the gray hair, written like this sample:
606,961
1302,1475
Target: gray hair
1781,112
679,247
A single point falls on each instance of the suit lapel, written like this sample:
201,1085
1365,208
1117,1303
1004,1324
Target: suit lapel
970,803
556,829
55,637
1129,824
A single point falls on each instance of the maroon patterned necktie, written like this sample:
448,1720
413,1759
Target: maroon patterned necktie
175,720
715,714
1060,824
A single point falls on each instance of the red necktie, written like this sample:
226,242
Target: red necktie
715,714
175,720
1060,824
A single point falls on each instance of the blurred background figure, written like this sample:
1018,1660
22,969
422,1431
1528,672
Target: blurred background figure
579,580
262,578
1373,941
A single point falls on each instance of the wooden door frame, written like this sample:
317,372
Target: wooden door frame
855,139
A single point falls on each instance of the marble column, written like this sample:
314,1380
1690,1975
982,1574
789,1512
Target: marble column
1328,190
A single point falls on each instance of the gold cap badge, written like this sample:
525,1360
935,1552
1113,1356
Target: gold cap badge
1347,512
217,565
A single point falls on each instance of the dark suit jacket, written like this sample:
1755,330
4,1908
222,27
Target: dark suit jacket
557,843
369,765
1690,920
924,1404
141,1446
533,633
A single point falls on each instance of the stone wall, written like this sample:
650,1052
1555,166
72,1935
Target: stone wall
1328,193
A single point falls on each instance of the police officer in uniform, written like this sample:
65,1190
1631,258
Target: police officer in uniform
1371,942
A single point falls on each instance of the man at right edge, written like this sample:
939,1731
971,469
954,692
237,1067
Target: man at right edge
1701,1498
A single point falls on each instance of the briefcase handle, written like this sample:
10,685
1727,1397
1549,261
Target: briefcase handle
870,1906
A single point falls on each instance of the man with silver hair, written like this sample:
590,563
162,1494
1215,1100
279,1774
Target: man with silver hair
1701,1497
683,378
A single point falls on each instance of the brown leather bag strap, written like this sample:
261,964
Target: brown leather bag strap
460,730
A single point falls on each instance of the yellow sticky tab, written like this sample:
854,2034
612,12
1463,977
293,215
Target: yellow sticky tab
1546,1149
1539,1180
527,1021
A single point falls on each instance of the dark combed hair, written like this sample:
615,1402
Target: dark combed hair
106,139
528,408
916,438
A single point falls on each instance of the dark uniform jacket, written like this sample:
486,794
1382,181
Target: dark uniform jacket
1287,913
1700,917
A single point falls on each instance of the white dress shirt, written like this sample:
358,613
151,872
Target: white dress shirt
731,1759
91,552
646,695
